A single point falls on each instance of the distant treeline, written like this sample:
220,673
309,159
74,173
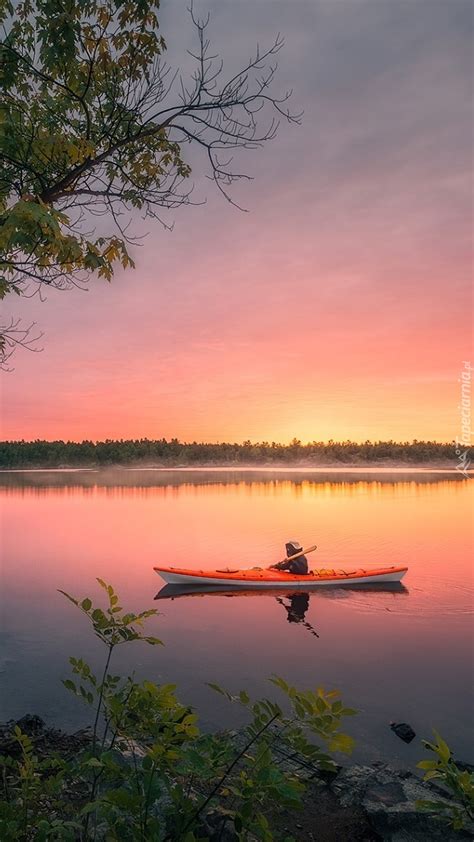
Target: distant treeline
56,454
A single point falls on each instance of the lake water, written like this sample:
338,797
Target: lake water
404,656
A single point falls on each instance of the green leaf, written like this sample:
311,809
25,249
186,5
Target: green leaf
90,807
342,742
86,604
218,689
280,682
94,762
442,748
299,708
427,764
153,641
436,806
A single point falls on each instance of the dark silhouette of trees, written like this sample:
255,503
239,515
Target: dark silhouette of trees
56,454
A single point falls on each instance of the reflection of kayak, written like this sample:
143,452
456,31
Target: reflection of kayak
176,591
258,578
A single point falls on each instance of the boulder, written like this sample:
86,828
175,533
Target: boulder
388,797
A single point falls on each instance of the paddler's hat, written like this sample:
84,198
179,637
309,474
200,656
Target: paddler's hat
293,547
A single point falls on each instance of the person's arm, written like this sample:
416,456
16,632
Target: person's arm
282,565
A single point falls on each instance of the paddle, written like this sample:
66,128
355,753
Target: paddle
297,555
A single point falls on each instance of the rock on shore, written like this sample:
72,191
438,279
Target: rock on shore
388,798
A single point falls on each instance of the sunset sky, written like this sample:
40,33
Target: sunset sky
339,305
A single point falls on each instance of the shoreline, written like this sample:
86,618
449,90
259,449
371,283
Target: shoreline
303,467
370,802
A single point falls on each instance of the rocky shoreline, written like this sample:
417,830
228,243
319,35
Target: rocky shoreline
358,803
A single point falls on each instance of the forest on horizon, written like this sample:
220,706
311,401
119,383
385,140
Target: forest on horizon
174,453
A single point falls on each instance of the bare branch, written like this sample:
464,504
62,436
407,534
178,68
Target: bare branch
13,336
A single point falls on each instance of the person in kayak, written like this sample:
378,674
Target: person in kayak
296,565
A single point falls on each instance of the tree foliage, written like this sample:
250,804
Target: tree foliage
56,454
95,123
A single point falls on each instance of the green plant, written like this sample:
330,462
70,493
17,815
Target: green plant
254,777
149,775
33,796
459,784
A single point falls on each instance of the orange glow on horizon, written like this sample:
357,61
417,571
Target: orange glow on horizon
313,409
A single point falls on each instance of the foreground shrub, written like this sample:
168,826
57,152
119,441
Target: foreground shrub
148,772
459,785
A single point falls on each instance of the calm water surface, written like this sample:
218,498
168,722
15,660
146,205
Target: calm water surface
405,655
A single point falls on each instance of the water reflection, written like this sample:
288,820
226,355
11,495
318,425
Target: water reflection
176,591
295,603
296,608
143,482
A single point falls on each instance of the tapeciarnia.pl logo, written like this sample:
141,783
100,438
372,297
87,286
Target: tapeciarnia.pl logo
463,442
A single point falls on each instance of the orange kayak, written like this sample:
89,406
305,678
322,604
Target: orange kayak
258,577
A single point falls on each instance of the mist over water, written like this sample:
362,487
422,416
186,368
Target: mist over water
403,654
